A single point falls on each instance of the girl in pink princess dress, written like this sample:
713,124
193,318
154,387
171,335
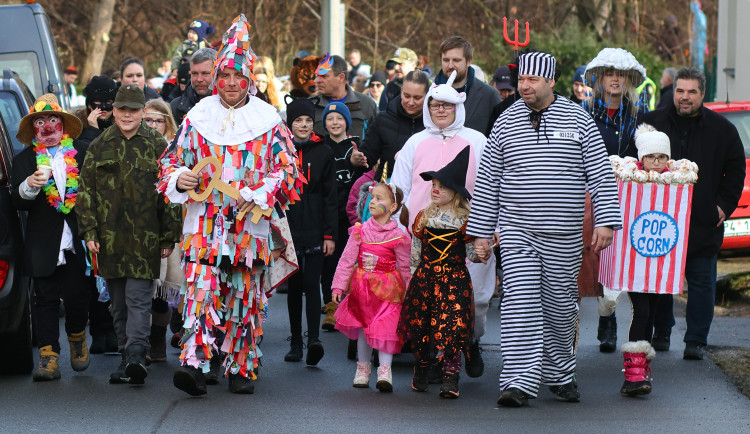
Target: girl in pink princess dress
373,273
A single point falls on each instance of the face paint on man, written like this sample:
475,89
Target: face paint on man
243,84
222,84
48,130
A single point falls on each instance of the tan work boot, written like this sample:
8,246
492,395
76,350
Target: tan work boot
329,323
79,352
48,369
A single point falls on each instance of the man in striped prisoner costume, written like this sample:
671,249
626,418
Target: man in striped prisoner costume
544,152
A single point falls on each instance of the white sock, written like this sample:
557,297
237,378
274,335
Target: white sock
385,358
363,350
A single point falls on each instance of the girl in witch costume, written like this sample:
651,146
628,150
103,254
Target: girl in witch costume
438,311
45,180
375,288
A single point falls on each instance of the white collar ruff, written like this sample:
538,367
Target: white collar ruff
250,121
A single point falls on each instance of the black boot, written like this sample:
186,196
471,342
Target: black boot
190,380
449,389
97,344
240,384
136,363
420,382
435,371
110,342
214,373
661,338
119,376
314,351
607,334
295,350
158,341
474,362
351,350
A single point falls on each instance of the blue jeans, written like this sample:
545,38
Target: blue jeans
700,274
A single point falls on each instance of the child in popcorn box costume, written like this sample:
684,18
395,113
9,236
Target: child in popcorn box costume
648,273
231,261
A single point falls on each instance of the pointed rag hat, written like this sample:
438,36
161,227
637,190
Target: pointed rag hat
47,105
453,175
235,52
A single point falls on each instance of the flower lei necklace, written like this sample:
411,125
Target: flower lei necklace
71,175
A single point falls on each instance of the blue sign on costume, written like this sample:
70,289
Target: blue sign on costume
654,233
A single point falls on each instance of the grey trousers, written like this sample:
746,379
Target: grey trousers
131,310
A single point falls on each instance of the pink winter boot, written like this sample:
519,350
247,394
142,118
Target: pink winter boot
636,357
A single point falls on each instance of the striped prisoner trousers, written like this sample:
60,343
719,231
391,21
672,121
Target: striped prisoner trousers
539,310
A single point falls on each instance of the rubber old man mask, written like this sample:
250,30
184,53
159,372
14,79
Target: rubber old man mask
48,129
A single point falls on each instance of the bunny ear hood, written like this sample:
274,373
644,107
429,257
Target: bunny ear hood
445,93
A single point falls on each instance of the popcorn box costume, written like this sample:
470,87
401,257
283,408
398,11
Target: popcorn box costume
227,261
656,221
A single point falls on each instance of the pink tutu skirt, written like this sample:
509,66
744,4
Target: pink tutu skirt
373,305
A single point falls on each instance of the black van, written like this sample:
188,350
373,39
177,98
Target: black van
28,48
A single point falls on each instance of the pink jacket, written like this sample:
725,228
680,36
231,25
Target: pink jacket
371,232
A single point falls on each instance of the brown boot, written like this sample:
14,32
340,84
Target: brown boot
79,352
158,340
48,369
329,323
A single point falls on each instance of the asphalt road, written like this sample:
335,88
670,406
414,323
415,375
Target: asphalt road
290,397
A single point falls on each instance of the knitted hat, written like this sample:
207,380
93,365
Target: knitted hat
100,89
537,63
201,28
47,105
649,141
578,76
183,73
235,52
299,107
340,108
378,76
619,59
453,175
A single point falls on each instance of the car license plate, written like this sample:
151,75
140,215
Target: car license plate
737,227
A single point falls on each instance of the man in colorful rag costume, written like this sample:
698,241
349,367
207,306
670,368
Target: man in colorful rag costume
230,263
45,183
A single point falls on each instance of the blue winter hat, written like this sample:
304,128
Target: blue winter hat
578,76
340,108
201,28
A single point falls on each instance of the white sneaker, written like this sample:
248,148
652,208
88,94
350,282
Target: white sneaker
362,376
385,383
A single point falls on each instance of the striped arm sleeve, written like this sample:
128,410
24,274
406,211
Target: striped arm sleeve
485,204
599,177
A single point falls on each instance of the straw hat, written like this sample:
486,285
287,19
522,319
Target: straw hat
47,105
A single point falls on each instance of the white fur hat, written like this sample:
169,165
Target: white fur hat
648,140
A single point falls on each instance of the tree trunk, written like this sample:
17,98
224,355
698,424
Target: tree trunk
99,33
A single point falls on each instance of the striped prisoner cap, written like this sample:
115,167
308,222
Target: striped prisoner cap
537,63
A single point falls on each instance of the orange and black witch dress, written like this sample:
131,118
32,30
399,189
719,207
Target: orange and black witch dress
437,316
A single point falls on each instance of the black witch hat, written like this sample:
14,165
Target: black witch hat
453,175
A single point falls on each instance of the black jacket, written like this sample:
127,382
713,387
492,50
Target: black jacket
45,225
346,173
713,143
315,217
387,135
667,97
183,103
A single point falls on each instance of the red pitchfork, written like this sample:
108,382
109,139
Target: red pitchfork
515,42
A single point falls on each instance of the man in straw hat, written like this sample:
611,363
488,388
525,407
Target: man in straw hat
231,260
543,153
45,180
126,225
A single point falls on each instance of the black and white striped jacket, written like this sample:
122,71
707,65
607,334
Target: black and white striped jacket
536,179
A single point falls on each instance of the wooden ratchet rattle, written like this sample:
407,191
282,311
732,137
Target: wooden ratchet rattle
217,184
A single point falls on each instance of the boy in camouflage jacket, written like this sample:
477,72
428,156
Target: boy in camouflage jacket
126,225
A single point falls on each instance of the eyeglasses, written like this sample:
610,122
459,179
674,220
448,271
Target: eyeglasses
445,106
376,84
656,159
150,121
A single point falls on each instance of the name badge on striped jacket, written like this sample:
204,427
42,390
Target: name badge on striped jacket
567,135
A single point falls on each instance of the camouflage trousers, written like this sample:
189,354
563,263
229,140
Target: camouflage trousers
228,299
